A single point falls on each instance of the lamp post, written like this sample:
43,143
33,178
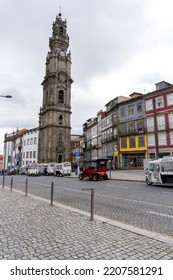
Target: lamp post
4,160
6,96
156,129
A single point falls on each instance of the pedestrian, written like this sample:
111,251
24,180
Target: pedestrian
76,169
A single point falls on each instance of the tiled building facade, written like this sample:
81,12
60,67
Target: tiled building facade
159,120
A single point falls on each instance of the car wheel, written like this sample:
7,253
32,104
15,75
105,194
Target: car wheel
148,182
95,177
80,176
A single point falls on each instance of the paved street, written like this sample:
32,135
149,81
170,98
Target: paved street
130,202
32,229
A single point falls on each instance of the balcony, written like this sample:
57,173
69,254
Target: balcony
132,132
107,139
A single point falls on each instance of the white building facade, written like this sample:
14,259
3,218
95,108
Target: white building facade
20,149
30,147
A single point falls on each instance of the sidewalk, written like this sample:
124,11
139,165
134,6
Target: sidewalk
31,229
134,175
127,175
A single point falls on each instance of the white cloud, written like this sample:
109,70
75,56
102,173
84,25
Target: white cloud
117,47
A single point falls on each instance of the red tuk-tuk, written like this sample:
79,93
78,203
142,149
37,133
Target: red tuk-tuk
94,170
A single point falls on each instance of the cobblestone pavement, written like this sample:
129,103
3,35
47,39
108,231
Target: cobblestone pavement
32,229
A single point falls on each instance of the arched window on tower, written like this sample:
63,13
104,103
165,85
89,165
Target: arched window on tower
60,119
61,96
61,30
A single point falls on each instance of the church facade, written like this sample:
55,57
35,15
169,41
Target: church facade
55,113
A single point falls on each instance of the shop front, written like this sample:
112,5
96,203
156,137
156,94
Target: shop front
132,160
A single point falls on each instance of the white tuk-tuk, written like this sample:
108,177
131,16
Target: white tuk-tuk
63,168
160,171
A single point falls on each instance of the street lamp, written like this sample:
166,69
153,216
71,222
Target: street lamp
4,163
6,96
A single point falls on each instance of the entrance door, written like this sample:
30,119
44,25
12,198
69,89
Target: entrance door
133,161
59,158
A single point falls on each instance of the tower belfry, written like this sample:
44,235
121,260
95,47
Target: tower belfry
55,113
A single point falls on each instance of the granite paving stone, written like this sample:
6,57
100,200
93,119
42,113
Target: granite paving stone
32,229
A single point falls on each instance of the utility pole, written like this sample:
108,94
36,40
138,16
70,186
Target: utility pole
156,129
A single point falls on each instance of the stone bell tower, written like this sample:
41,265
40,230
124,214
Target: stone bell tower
55,113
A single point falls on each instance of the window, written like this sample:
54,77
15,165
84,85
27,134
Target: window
150,124
30,155
23,155
122,112
140,126
132,142
159,102
61,30
151,140
24,142
171,137
130,110
114,118
31,141
162,138
27,141
161,122
139,107
149,104
35,140
61,96
123,142
131,126
170,99
123,128
27,154
60,119
141,141
170,116
34,154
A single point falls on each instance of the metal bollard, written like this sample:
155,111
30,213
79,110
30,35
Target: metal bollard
11,186
3,182
26,187
51,197
92,202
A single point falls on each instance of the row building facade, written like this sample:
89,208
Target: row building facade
132,128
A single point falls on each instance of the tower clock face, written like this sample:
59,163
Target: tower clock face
62,53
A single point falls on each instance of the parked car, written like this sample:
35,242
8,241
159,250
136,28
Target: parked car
23,170
94,170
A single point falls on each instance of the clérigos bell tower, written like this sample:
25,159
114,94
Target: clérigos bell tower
55,113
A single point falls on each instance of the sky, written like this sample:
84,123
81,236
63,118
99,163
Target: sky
117,47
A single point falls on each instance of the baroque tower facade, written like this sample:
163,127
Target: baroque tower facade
55,113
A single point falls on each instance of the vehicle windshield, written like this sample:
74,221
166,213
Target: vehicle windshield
33,166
